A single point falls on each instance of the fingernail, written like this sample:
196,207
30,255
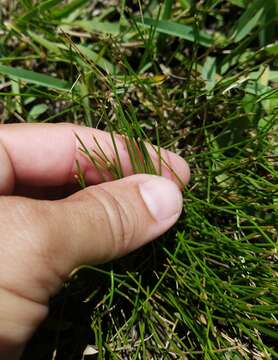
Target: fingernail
162,197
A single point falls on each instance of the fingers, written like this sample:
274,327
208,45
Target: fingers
112,219
46,154
43,241
95,225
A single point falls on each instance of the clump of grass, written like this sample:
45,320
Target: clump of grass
136,143
199,78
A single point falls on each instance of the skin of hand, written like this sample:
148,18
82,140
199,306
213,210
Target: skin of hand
42,240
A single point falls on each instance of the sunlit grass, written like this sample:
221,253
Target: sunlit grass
196,77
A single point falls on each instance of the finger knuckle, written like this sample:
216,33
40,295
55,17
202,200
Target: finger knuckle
120,220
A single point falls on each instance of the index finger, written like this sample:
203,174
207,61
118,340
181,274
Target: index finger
46,154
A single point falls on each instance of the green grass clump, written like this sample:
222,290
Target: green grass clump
199,78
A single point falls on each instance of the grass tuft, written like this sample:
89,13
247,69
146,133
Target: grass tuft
196,77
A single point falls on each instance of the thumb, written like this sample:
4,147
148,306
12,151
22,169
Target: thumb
94,225
112,219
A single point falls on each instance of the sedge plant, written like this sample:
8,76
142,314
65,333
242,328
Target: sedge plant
195,77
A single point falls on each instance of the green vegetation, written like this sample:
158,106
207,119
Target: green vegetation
199,78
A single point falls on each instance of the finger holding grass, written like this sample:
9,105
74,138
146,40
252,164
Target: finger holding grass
46,155
94,225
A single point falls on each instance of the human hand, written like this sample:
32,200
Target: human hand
42,241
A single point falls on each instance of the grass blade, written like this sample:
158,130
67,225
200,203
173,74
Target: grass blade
35,78
175,29
248,20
